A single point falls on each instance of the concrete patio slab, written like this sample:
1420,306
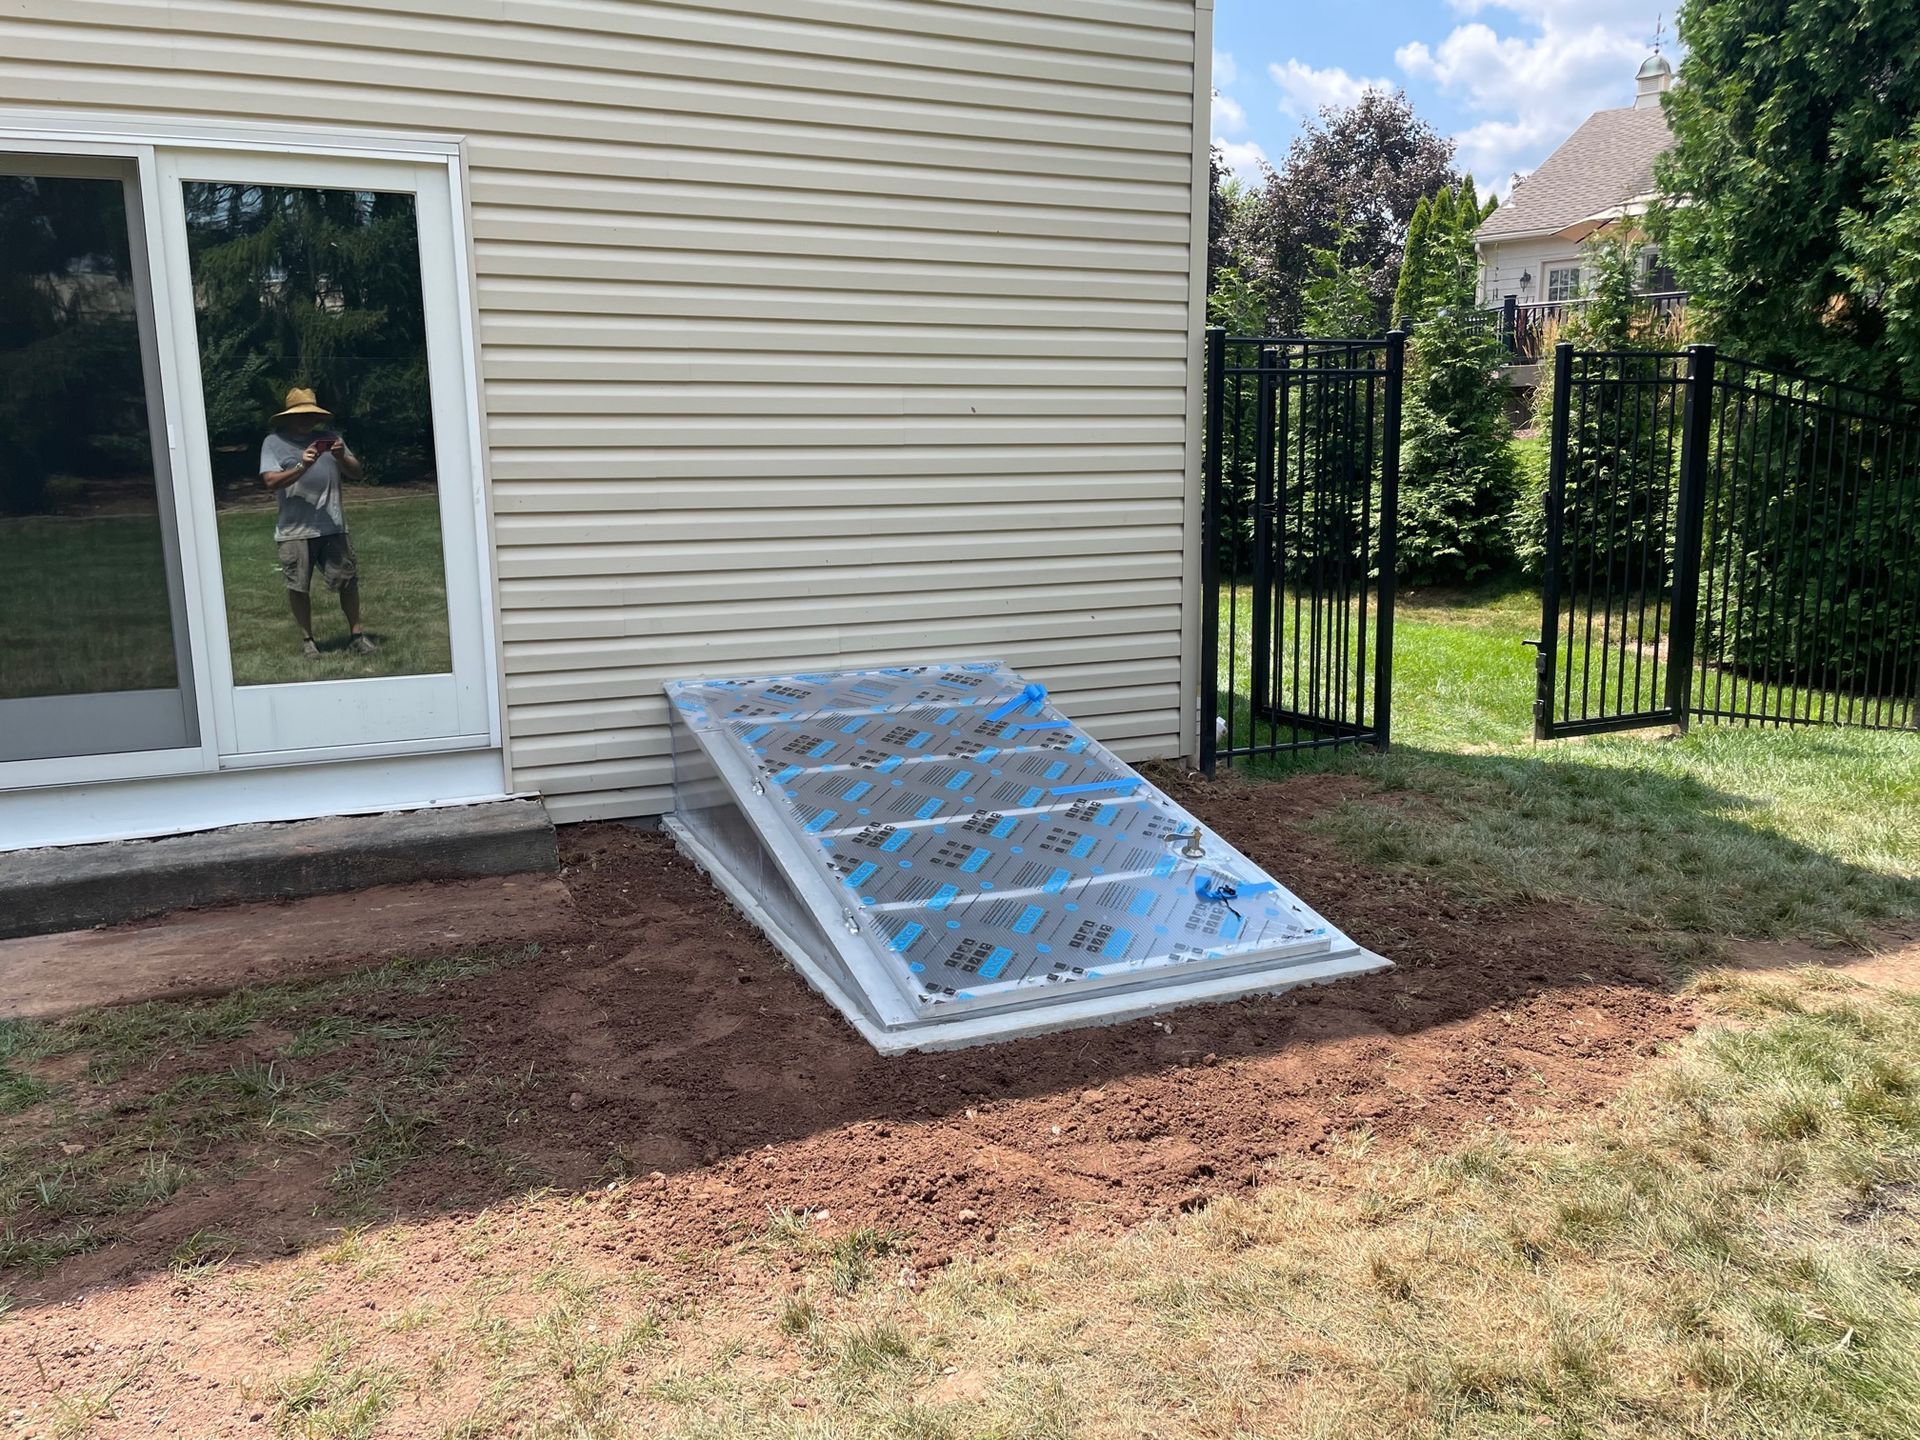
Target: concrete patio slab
73,887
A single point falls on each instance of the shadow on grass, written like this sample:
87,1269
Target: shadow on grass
1619,825
1516,895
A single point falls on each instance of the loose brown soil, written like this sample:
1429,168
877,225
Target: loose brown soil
671,1054
206,952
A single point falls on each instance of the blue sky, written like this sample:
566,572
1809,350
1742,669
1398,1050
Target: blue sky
1507,79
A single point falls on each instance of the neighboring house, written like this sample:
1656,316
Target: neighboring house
760,335
1529,249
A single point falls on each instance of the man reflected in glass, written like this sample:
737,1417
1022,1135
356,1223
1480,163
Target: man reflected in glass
303,461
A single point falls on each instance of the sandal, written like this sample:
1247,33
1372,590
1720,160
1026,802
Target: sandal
309,650
361,645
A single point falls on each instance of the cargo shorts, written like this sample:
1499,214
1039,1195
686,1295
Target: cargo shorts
330,556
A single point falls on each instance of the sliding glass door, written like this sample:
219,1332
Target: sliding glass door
94,653
241,517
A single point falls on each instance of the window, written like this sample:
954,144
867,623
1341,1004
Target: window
1563,283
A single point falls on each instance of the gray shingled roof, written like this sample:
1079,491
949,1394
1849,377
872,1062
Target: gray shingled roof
1607,160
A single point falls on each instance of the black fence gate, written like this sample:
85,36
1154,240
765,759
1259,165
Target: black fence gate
1302,481
1726,542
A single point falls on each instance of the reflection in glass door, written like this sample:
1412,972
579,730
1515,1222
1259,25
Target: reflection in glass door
93,637
328,431
313,358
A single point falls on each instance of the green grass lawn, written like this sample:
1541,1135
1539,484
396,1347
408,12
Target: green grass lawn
83,606
403,595
1728,831
83,601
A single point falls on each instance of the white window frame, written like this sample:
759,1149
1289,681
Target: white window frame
142,141
1574,290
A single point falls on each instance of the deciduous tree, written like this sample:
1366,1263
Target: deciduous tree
1362,168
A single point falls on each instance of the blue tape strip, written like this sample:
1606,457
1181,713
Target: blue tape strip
1032,692
1041,725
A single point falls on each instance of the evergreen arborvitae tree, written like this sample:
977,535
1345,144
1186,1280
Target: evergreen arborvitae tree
1458,479
1439,254
1408,295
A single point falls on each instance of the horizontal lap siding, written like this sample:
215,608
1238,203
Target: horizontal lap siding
812,331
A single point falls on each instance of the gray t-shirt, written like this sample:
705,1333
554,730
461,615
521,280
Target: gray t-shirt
310,507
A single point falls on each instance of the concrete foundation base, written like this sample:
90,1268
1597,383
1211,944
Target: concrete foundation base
76,887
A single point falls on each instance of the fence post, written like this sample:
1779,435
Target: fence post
1509,323
1389,551
1696,434
1545,656
1210,549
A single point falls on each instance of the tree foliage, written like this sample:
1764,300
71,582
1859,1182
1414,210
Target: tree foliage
1349,182
317,288
1458,479
1336,302
1882,242
1439,253
72,390
1791,180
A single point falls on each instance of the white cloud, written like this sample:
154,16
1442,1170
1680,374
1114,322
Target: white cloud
1225,72
1531,90
1244,158
1229,118
1304,90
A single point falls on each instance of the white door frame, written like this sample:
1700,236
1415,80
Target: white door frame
272,724
142,140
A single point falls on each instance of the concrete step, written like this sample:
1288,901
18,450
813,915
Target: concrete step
79,886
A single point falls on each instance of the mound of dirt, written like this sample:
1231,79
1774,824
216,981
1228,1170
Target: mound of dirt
666,1044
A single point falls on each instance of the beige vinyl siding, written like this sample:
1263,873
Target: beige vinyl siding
812,331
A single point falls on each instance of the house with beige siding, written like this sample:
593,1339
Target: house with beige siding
1531,254
647,340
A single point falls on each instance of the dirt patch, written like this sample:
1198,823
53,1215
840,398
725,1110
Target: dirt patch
1891,961
676,1056
208,951
677,1085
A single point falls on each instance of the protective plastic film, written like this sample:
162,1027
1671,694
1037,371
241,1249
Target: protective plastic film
978,848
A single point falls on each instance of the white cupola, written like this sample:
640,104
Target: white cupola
1653,81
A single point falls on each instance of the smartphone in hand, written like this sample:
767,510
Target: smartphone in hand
323,444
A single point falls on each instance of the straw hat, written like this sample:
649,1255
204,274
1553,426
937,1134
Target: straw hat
302,402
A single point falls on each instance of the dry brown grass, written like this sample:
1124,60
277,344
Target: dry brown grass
1732,1250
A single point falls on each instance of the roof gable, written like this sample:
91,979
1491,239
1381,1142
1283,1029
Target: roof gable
1609,159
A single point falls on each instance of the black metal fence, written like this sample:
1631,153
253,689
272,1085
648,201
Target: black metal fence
1727,542
1302,483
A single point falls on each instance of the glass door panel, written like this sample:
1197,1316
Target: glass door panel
93,636
308,301
330,437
